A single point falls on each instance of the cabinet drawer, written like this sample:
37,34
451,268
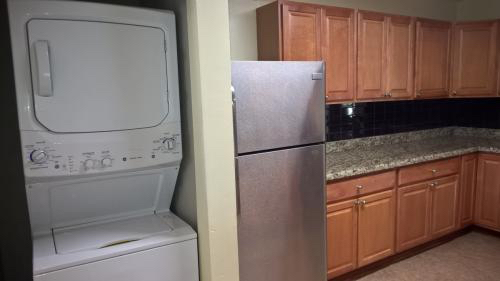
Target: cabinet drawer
428,171
358,186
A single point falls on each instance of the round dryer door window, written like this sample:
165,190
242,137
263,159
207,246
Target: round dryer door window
97,76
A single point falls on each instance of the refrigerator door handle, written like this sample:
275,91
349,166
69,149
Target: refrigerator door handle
317,76
238,203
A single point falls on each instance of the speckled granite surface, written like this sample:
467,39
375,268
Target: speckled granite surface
366,155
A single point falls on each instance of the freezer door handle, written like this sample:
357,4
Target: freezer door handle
317,76
44,75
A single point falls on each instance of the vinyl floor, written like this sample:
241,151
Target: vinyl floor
472,257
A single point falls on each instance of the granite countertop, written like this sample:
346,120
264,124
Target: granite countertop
362,156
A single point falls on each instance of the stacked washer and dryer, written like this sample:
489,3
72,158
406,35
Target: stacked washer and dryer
98,102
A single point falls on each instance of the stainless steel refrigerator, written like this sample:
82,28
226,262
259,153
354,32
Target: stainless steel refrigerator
279,113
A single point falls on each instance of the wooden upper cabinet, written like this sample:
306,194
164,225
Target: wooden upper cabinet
338,52
376,227
385,56
400,56
474,71
487,209
342,237
372,48
432,58
467,189
301,32
444,208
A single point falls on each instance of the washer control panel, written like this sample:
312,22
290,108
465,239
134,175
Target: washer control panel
70,155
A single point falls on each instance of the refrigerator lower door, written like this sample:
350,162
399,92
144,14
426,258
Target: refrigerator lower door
281,215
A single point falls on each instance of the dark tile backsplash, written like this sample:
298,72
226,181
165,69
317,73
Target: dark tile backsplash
356,120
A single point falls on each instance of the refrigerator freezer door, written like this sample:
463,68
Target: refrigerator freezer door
281,221
278,104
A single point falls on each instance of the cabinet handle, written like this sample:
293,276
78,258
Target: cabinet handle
434,171
390,94
357,202
454,92
359,187
363,202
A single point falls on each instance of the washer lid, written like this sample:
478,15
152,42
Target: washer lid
98,236
97,76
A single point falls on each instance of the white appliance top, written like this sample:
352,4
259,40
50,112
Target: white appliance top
155,230
93,76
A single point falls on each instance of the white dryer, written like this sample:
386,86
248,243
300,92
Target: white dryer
98,102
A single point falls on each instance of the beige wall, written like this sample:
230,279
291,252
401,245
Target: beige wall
478,9
210,71
243,25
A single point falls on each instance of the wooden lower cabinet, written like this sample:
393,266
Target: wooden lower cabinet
444,207
342,236
426,211
376,227
467,189
487,209
360,231
413,216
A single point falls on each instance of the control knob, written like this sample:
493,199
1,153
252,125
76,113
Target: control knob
106,161
38,156
88,164
169,143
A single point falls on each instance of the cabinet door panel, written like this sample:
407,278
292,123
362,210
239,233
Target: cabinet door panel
376,227
338,43
444,194
432,58
467,189
301,32
474,59
372,34
487,210
342,228
400,57
413,216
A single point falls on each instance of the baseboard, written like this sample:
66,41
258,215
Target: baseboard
363,271
489,231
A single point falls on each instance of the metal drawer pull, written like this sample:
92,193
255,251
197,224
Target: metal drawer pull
434,171
359,187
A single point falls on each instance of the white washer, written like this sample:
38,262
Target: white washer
98,102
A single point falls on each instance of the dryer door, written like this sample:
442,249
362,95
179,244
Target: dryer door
97,76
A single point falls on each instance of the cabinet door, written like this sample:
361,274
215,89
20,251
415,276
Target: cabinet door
474,59
338,49
444,193
376,227
467,189
342,229
400,54
432,58
372,33
301,32
412,216
487,209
